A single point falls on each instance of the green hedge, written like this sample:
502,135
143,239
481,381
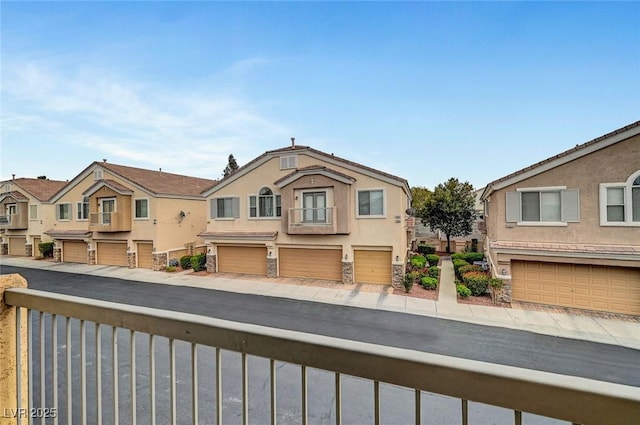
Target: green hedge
429,282
46,249
425,249
433,260
463,291
418,261
477,282
434,271
185,262
199,262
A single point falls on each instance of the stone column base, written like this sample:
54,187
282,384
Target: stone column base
159,261
272,267
211,263
57,254
4,249
397,277
131,260
347,273
29,249
91,257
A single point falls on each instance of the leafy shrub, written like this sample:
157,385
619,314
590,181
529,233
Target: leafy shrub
46,249
470,257
433,259
409,278
463,291
470,268
418,261
459,263
173,262
457,256
429,282
496,283
425,249
199,262
171,269
185,262
434,271
477,282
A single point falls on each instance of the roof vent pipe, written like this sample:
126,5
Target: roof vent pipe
13,176
293,142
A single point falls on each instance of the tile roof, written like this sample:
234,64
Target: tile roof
160,182
109,183
16,195
567,247
269,236
313,168
40,189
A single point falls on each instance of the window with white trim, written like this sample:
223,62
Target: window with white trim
141,206
97,175
370,203
620,202
265,204
82,209
288,162
227,207
63,211
33,212
545,206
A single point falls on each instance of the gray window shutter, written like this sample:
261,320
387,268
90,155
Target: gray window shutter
570,205
214,208
235,207
57,211
513,207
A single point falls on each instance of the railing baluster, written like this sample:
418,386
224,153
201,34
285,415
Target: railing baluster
43,376
194,383
172,374
376,402
418,407
305,409
114,351
69,380
54,364
152,378
465,412
83,372
517,417
132,362
98,333
245,391
218,387
272,373
30,360
19,362
338,399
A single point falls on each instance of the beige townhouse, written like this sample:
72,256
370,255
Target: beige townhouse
566,231
300,212
125,216
25,214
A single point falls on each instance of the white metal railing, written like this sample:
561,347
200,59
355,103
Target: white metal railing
311,216
574,399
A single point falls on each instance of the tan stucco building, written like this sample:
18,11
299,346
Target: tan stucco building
300,212
25,213
124,216
566,231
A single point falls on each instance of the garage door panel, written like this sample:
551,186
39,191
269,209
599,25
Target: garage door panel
145,255
242,259
17,246
372,267
603,288
74,252
112,254
323,264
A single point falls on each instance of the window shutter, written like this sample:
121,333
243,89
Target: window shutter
214,208
235,207
58,212
283,163
570,205
513,207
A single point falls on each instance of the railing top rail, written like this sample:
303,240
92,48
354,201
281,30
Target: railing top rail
575,399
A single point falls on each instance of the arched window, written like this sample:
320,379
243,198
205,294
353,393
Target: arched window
265,204
635,199
620,202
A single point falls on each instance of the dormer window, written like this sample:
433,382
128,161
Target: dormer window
265,204
288,162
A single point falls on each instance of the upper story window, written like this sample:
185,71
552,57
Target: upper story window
265,204
12,209
33,212
63,211
543,206
371,203
227,207
620,202
141,208
97,175
289,161
83,209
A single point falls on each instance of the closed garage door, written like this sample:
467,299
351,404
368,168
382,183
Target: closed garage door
311,263
612,289
242,259
17,246
74,252
145,255
372,267
36,249
112,254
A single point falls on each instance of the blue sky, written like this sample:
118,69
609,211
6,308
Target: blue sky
423,90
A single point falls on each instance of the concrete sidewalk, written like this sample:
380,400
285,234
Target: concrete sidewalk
610,331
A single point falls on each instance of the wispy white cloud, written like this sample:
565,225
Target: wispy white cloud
131,121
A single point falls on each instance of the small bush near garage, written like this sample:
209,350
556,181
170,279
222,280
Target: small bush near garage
463,291
408,281
171,269
418,261
433,259
470,268
429,282
425,249
477,282
46,249
456,266
470,257
434,272
199,262
185,262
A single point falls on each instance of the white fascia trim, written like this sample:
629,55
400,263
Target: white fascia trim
541,189
568,158
305,173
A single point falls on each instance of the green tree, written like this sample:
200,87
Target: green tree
42,177
450,209
419,197
232,166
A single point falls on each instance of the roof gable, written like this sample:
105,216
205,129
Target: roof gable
111,184
40,189
313,170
